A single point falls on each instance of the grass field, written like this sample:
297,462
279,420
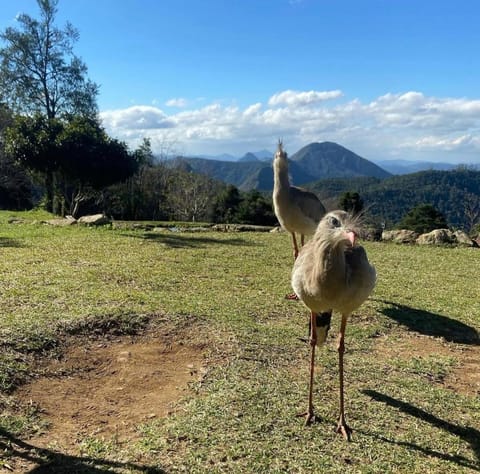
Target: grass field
412,352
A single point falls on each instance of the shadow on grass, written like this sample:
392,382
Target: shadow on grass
48,461
191,241
467,434
7,242
431,324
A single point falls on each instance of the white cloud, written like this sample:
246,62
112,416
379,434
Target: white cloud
407,125
298,98
138,117
179,102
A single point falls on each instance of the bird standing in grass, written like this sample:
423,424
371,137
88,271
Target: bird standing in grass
297,210
332,272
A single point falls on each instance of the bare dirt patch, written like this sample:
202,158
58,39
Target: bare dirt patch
464,378
107,388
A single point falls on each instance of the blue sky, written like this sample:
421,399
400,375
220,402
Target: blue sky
387,79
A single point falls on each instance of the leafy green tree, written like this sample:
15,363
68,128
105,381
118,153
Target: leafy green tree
255,209
89,160
422,219
76,157
351,202
16,189
143,195
39,73
225,206
30,142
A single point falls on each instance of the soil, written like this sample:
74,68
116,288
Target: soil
464,378
107,388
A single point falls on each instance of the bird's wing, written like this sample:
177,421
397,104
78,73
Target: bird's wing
308,203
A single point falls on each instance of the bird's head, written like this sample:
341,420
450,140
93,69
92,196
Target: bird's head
280,154
338,227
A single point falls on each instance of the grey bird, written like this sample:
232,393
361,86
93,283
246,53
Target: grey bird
298,211
332,272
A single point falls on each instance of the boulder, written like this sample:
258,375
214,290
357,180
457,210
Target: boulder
62,221
463,239
437,237
95,219
402,236
372,234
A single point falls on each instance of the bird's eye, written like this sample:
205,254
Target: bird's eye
334,222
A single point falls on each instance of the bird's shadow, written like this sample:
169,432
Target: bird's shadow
46,461
7,242
431,324
182,240
467,434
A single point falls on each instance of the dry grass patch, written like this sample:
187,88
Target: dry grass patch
454,366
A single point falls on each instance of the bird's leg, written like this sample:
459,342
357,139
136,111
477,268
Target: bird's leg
309,415
293,296
295,246
342,426
302,239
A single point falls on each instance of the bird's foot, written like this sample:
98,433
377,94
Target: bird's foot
292,297
309,416
344,430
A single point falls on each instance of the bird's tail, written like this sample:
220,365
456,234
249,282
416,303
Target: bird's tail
322,322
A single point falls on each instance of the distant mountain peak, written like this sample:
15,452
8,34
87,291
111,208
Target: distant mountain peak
331,160
249,157
311,163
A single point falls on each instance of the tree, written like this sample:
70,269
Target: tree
76,157
142,196
190,195
255,209
226,204
15,185
351,202
471,209
30,142
39,73
89,160
422,219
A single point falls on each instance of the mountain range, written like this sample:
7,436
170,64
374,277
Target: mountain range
388,191
393,166
311,163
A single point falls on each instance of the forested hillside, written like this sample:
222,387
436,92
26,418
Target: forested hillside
455,193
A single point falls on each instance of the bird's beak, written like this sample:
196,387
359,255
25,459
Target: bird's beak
352,237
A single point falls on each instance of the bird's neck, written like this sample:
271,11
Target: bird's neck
333,269
280,176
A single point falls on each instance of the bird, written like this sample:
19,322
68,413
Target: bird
332,272
297,210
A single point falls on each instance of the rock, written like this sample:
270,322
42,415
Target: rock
437,237
62,222
95,219
372,234
402,236
463,239
241,228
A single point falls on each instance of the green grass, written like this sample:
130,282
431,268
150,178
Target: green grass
58,281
